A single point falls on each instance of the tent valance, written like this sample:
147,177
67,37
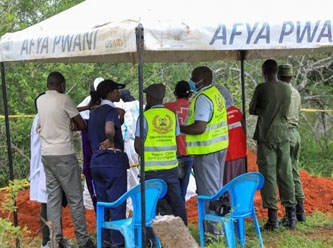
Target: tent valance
175,31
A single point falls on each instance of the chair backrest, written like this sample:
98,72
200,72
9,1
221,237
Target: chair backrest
154,190
242,190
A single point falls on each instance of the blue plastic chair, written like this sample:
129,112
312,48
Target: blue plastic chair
241,190
131,227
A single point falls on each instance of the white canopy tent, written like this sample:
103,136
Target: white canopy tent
174,31
145,31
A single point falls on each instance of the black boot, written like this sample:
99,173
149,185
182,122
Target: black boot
272,222
290,221
284,219
300,214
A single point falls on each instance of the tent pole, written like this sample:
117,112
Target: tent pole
242,56
140,46
9,146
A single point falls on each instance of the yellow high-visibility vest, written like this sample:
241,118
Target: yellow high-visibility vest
215,137
160,143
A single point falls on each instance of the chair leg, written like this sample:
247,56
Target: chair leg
228,225
240,231
129,238
258,232
202,233
98,227
99,237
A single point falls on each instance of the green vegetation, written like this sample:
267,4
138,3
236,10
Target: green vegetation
8,232
315,233
315,127
24,81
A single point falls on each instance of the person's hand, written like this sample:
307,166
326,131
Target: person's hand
106,144
92,105
73,126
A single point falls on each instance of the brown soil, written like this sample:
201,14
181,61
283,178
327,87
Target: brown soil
318,196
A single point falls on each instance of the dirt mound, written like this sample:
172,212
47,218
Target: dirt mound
318,196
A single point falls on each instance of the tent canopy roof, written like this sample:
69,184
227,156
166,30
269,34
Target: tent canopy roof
174,31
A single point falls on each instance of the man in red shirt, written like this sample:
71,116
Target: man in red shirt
180,107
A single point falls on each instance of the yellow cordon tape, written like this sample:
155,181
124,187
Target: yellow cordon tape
316,110
17,116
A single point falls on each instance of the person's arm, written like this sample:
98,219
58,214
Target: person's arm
203,112
121,114
90,102
109,133
252,110
137,140
77,123
254,102
83,108
198,127
137,143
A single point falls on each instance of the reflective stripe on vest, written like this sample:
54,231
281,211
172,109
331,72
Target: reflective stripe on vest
215,136
160,143
235,125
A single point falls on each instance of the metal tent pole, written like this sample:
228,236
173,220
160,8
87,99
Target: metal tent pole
140,47
9,143
242,56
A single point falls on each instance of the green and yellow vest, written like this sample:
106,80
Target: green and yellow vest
160,144
215,137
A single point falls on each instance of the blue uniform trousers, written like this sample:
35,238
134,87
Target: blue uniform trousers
110,183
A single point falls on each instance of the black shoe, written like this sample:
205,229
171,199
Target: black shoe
89,244
300,217
289,223
270,226
65,243
300,214
221,206
272,222
284,220
290,220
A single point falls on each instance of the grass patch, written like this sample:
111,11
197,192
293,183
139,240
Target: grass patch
316,232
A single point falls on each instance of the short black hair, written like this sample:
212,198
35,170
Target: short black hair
205,73
182,89
270,66
95,99
54,79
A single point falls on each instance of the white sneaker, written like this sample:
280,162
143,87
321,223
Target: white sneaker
47,245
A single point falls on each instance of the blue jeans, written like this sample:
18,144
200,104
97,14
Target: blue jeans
185,165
